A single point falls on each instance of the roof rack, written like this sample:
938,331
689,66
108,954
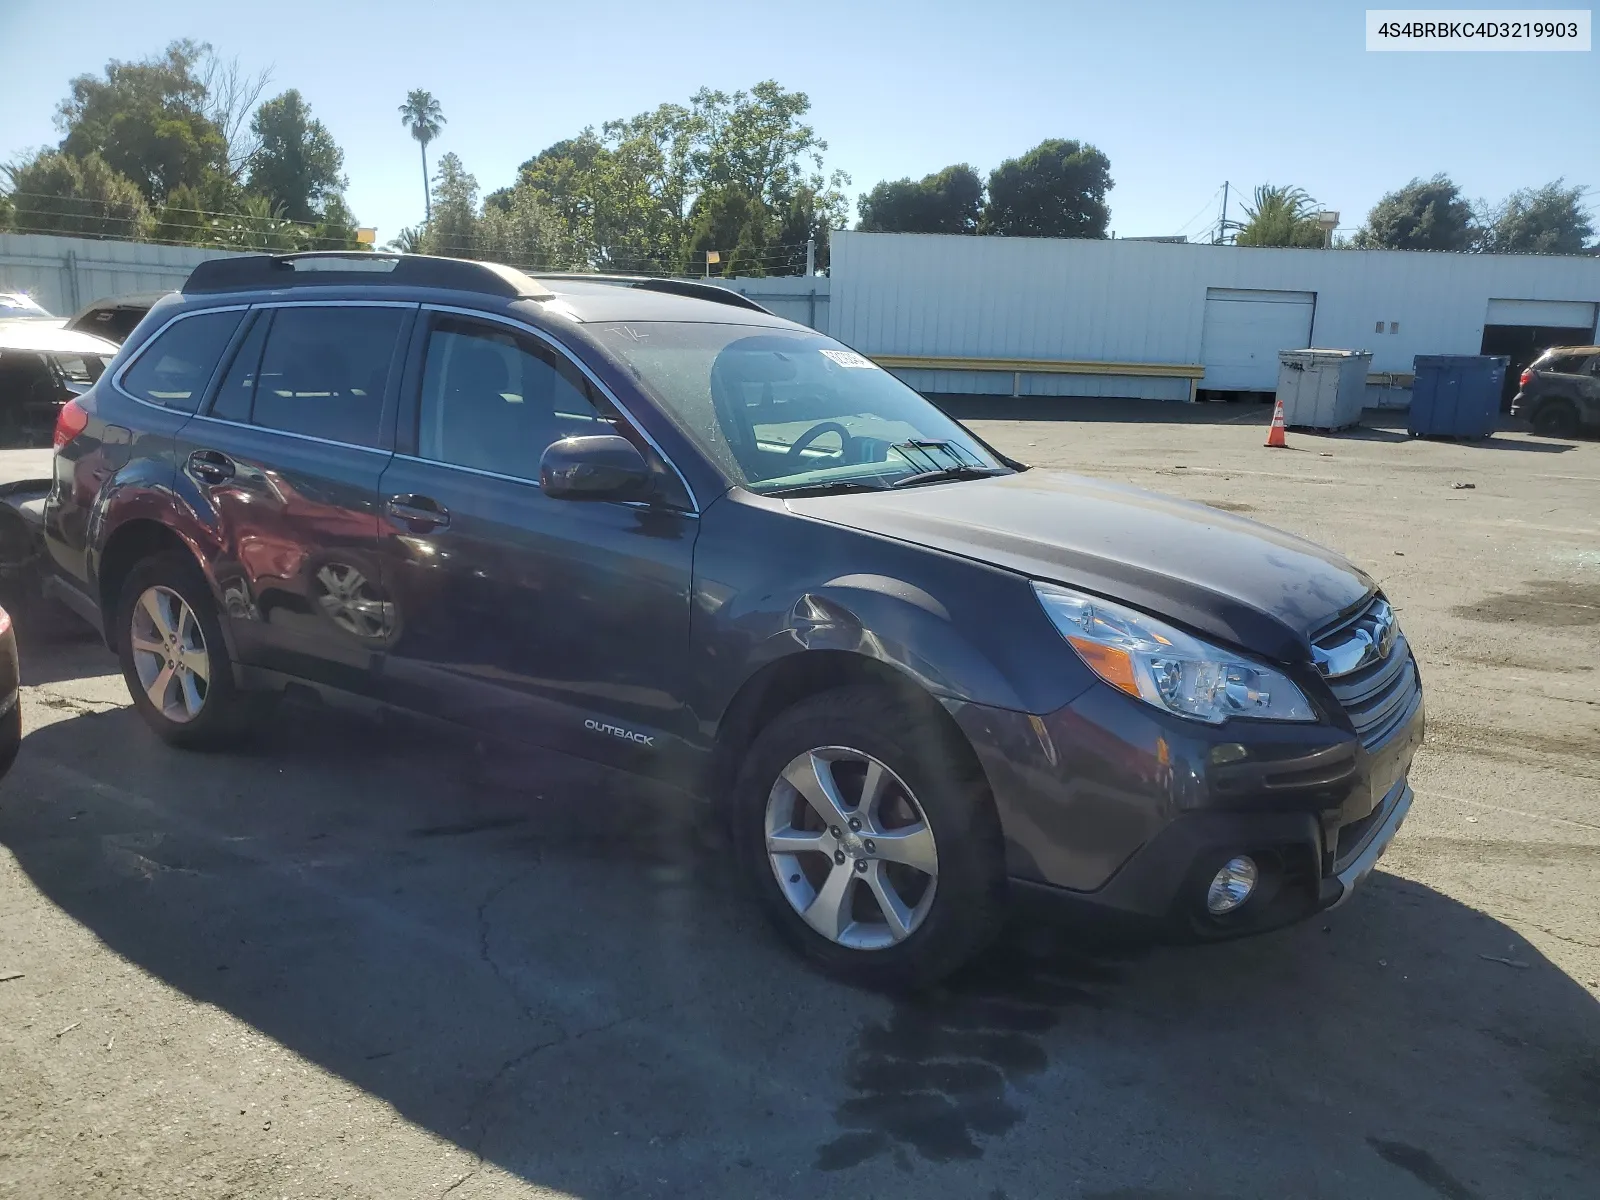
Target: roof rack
324,268
672,287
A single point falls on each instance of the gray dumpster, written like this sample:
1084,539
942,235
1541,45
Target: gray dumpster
1322,389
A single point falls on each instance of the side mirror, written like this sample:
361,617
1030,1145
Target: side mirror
598,467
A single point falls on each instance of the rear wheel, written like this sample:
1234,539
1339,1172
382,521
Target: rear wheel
173,657
871,839
1556,418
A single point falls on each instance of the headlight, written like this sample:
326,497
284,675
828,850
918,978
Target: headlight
1166,667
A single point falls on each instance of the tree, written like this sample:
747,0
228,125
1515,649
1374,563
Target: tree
453,228
1281,216
1426,214
258,225
1548,220
182,219
231,96
298,166
146,120
410,240
1057,189
335,228
422,115
523,232
811,216
950,201
59,193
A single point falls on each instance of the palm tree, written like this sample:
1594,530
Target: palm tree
422,115
1282,216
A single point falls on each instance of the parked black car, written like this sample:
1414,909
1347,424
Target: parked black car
114,317
1560,391
650,523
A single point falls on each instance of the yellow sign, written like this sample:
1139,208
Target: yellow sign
713,256
366,236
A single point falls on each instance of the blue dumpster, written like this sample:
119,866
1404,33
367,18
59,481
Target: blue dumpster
1456,395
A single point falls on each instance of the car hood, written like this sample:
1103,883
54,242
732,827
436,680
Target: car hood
1221,575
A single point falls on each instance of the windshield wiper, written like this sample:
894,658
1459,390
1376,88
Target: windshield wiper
961,471
831,487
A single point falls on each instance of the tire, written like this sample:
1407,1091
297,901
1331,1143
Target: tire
203,708
925,782
1556,418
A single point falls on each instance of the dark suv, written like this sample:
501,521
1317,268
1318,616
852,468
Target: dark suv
1560,391
649,523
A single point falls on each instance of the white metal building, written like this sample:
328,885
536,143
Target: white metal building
1045,316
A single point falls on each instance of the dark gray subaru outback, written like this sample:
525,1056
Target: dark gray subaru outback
650,523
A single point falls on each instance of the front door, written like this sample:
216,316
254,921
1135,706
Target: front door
288,458
560,622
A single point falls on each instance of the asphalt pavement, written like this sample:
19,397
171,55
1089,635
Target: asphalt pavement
362,959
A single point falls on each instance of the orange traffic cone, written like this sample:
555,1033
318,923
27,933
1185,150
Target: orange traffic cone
1275,434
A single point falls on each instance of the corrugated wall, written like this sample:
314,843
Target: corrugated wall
65,273
794,297
1045,298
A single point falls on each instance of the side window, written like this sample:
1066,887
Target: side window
323,372
173,370
495,401
237,392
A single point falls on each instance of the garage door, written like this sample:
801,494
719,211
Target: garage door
1554,314
1243,332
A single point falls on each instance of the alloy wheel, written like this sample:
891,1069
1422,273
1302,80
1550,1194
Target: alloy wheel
169,654
851,848
350,602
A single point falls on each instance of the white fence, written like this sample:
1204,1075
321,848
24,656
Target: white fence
66,273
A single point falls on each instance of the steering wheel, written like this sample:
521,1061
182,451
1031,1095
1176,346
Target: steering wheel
816,431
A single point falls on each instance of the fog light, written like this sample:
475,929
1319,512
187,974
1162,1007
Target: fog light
1231,886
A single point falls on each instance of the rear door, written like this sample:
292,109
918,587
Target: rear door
555,621
285,464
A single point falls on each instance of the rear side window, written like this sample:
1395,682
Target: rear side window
174,369
238,389
1566,364
323,373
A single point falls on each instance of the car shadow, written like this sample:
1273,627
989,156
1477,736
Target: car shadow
54,646
555,968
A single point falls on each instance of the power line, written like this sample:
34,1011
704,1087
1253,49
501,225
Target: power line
1204,208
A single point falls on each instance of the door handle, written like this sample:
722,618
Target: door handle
211,466
419,513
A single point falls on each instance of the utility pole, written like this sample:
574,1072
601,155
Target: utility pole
1222,221
811,256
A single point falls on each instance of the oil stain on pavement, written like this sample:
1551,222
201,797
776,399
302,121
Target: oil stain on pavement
938,1076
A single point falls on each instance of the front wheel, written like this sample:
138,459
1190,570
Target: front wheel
871,839
173,657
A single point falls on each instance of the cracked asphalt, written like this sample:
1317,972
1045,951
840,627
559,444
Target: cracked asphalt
360,959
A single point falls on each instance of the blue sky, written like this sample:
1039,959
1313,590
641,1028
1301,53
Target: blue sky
1181,96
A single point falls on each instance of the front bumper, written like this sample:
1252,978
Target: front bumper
1112,809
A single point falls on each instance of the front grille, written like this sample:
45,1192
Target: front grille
1377,690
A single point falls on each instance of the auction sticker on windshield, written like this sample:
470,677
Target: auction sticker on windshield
849,358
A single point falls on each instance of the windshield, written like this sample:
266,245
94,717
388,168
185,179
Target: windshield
782,409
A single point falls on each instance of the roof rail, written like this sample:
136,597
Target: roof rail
673,287
323,268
